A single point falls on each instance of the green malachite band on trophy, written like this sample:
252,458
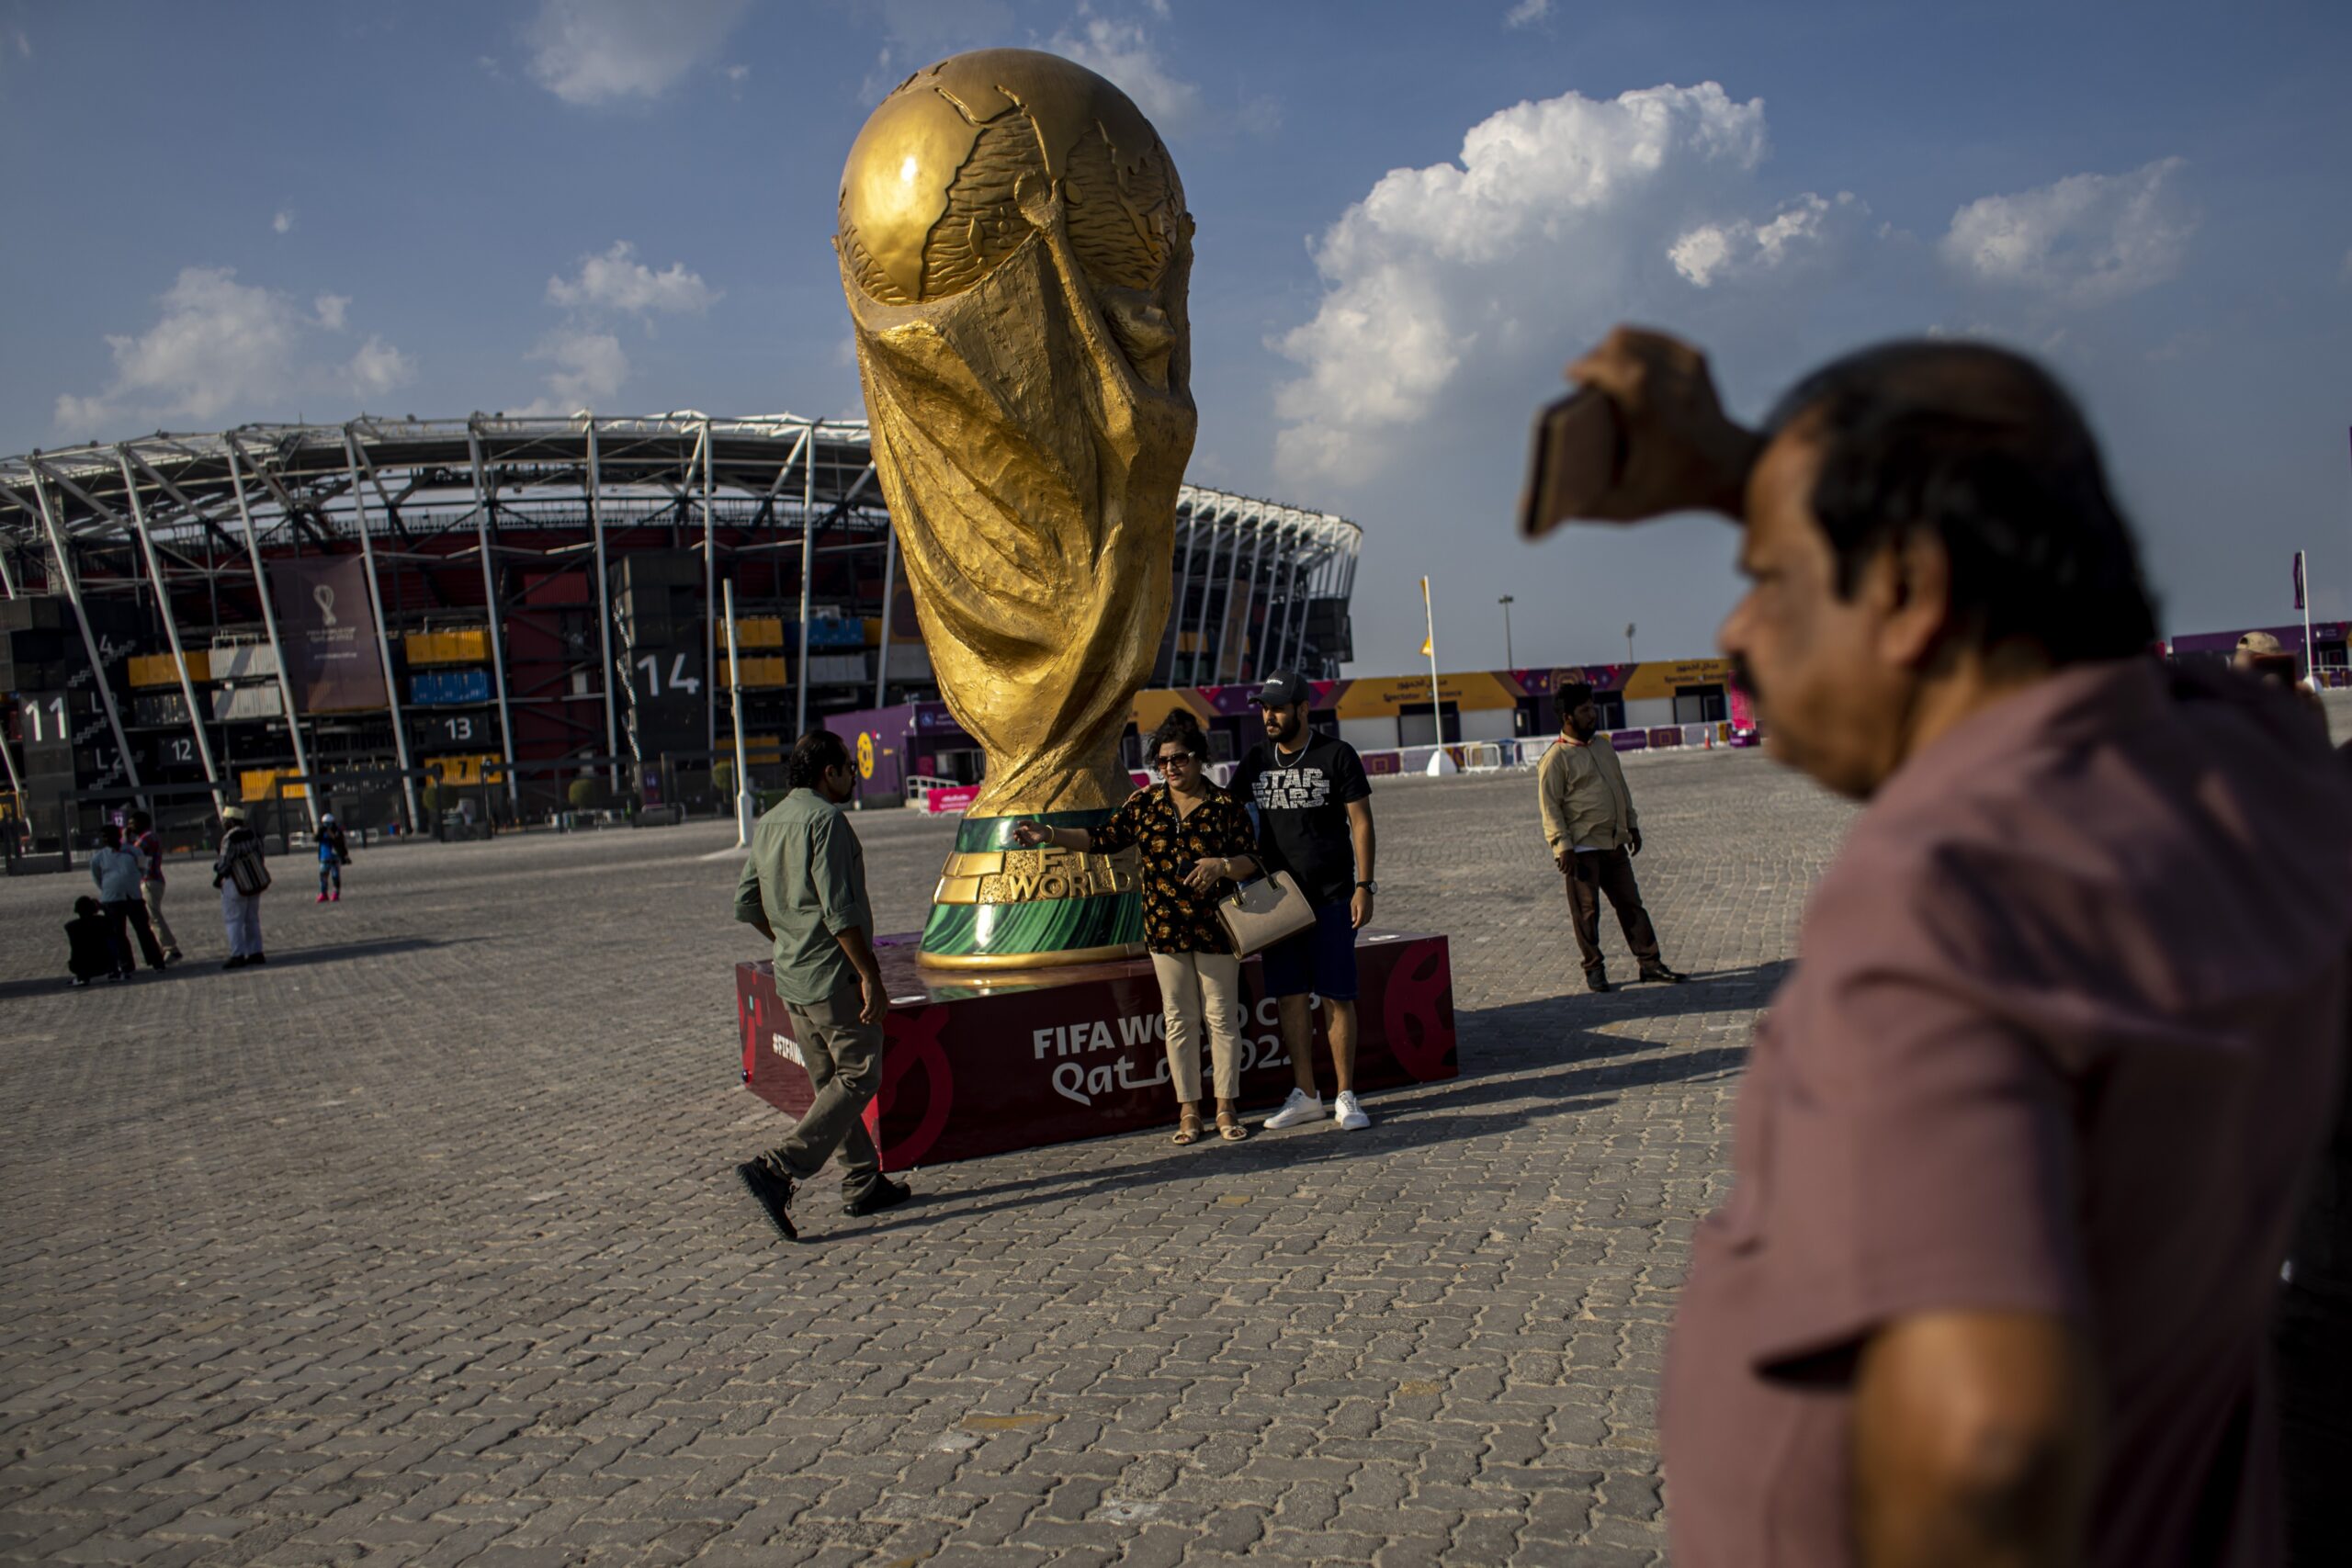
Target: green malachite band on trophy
1035,933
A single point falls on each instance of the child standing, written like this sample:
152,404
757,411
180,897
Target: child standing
89,951
334,853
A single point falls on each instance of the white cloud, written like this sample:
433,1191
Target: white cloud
738,74
1475,279
378,367
284,222
1738,247
2084,240
1526,13
589,369
221,349
602,51
1122,52
617,280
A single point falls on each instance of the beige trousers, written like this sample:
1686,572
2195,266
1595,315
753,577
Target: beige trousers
1198,990
153,893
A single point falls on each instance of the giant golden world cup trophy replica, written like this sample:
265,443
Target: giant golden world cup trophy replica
1015,250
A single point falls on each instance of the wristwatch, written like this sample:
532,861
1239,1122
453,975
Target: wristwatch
1370,887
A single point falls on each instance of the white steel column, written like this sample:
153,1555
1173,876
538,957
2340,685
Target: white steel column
1174,631
1297,623
709,597
604,612
269,623
383,635
7,572
735,704
1248,596
1223,523
171,630
889,599
90,644
492,614
807,571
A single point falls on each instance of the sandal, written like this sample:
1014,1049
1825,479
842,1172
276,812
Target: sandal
1229,1126
1188,1125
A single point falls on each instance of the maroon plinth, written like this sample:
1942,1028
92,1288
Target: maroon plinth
977,1066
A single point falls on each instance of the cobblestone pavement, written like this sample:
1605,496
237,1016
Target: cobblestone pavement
422,1245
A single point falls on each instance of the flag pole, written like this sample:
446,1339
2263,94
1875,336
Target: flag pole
2303,602
1429,645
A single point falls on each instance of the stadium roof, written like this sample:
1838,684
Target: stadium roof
301,476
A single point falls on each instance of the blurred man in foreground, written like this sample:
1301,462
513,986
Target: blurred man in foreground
2023,1134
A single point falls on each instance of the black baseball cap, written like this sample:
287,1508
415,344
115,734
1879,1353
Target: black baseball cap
1282,688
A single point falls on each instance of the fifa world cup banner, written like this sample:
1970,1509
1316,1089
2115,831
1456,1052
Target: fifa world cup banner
327,625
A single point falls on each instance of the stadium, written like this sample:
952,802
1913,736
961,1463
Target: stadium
514,615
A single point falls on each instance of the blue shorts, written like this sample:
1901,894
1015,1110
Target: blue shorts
1321,959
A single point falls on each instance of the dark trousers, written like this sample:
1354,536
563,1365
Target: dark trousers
843,1060
1610,872
121,912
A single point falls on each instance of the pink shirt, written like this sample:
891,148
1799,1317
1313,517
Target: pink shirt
2063,1036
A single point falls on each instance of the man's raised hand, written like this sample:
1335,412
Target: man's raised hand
1682,452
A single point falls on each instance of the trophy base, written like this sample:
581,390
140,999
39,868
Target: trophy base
999,906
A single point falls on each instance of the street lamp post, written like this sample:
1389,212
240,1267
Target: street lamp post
1509,662
1629,642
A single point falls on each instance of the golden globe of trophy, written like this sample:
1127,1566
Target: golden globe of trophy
1015,250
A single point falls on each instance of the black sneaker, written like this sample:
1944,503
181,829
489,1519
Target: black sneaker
258,958
1662,975
174,955
775,1195
1596,980
234,963
884,1194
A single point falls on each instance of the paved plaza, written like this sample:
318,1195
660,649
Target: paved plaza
422,1245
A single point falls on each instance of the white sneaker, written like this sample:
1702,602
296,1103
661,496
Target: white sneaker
1348,1113
1300,1106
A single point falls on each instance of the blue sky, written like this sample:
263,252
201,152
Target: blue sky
1410,217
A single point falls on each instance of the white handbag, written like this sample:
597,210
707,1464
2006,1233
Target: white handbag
1258,914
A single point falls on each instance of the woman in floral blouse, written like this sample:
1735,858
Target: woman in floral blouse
1194,839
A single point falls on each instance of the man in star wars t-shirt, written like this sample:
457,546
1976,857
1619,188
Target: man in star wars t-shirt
1313,806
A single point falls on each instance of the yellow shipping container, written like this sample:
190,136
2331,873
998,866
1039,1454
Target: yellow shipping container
465,645
155,668
468,768
754,633
270,783
768,670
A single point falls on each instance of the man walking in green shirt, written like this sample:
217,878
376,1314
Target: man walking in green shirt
804,888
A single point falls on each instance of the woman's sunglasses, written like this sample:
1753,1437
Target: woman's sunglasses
1167,759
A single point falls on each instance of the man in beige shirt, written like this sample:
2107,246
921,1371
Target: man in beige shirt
1594,832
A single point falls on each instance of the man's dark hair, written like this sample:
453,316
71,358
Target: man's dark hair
1984,451
813,756
1180,727
1572,697
85,906
141,821
110,836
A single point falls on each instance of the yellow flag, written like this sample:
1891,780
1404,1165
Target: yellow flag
1429,620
